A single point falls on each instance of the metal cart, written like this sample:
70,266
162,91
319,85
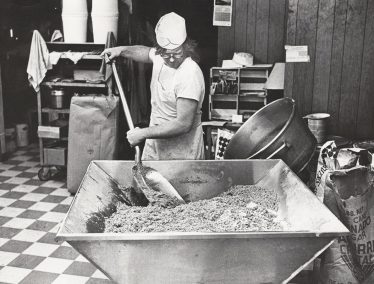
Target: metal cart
52,121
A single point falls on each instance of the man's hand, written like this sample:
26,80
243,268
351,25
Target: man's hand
112,52
136,136
138,53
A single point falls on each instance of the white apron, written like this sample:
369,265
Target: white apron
189,146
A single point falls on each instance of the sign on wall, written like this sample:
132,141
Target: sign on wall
222,14
297,53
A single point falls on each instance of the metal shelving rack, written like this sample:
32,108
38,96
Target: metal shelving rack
245,99
250,93
45,172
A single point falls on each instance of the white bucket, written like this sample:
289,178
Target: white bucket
74,7
22,131
104,6
75,27
102,24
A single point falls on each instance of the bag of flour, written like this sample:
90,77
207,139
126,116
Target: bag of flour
347,190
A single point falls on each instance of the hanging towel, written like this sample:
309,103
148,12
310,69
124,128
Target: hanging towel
39,62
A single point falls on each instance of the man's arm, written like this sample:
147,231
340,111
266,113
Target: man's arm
138,53
186,111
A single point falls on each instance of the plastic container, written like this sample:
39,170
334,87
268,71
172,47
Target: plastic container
22,131
74,20
74,6
104,17
104,7
75,27
10,140
102,24
317,123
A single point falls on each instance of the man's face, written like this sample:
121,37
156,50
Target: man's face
173,57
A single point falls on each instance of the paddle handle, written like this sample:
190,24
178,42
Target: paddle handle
124,104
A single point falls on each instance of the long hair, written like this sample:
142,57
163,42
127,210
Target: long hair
189,48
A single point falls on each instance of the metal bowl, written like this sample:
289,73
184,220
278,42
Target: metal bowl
275,131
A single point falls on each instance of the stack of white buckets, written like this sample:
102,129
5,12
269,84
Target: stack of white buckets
104,17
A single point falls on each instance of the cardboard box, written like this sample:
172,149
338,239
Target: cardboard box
56,156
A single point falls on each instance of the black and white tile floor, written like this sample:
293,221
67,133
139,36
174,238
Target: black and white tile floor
30,212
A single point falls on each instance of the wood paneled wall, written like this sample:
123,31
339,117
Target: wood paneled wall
340,76
258,27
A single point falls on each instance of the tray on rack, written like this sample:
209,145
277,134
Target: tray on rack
56,130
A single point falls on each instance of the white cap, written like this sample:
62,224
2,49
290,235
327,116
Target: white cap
171,31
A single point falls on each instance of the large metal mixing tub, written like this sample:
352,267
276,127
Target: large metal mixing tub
245,257
275,131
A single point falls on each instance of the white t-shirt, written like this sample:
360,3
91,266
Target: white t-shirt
185,82
167,85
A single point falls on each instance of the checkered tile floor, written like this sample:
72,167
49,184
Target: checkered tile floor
30,212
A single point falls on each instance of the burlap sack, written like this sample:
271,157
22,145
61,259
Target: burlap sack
346,188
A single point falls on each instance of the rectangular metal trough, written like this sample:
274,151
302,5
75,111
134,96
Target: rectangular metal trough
238,257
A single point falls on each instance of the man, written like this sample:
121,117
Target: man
177,93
